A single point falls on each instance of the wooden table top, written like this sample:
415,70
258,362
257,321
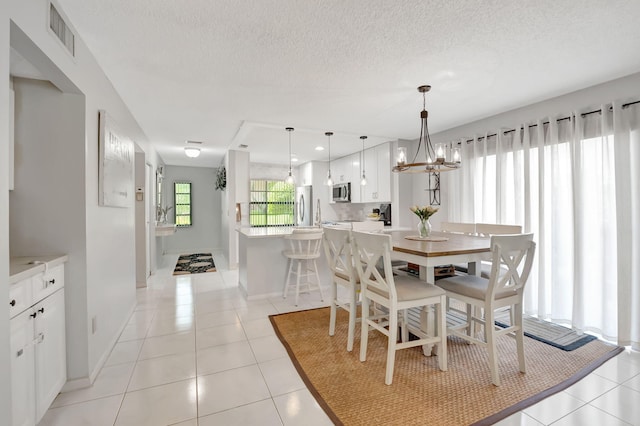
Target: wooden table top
455,244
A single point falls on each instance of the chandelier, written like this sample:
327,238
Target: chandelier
441,159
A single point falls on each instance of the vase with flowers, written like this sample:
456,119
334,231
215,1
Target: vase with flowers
424,213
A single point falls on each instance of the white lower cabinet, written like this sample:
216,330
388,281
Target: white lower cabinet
38,354
23,399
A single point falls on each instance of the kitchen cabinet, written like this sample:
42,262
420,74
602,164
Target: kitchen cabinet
377,163
37,344
341,170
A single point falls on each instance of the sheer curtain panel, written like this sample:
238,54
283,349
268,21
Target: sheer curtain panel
574,181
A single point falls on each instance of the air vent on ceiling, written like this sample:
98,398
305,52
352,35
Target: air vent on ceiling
196,142
61,29
243,146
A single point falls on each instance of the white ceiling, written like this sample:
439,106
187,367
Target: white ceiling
238,72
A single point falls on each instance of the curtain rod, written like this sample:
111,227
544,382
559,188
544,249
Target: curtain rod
597,111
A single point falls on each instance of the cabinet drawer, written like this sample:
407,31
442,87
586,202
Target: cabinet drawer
46,283
20,297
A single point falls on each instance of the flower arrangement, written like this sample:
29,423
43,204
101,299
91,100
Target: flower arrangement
425,212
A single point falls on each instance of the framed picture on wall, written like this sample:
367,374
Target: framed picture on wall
115,170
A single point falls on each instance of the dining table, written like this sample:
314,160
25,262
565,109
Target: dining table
439,248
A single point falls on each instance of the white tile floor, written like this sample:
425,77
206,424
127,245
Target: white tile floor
196,353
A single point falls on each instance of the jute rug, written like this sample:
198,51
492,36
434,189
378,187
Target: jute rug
195,263
354,393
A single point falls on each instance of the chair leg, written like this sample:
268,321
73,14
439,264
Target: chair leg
441,316
364,332
334,308
490,337
517,318
315,269
391,346
353,308
287,281
298,281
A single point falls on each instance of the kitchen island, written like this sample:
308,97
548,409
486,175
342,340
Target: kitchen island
262,268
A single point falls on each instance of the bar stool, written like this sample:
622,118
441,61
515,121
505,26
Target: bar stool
304,249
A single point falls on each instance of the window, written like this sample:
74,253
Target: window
182,197
272,203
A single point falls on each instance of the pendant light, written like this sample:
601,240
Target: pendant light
440,159
363,181
329,179
290,179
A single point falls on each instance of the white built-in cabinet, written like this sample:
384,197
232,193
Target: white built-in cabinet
377,164
37,344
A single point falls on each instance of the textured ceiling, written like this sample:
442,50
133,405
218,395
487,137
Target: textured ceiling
237,72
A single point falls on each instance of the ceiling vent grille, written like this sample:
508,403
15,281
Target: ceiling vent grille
61,29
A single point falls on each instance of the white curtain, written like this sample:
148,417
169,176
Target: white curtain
575,183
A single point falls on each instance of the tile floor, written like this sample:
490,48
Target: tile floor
195,352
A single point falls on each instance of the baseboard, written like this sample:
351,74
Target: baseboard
189,251
85,382
75,384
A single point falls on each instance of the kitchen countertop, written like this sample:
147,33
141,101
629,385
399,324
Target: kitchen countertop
280,231
276,231
24,267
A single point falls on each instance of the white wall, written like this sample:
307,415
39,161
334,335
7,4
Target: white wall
205,233
108,259
5,370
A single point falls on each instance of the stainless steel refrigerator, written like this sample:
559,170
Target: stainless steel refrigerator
304,206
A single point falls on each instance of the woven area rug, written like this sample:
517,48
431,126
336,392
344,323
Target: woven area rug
354,393
195,263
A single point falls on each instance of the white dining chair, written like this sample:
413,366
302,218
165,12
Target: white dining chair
458,227
512,257
303,251
397,294
337,248
489,229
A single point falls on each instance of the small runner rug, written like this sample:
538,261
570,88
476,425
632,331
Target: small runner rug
353,392
195,263
547,332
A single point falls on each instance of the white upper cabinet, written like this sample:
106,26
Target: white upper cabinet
356,174
377,165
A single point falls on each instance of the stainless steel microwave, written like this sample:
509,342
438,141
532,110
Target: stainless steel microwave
342,193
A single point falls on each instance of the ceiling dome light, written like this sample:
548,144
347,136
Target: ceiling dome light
191,152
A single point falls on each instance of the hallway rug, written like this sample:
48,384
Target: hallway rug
195,263
353,392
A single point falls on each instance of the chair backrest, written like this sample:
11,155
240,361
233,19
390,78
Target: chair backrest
368,250
458,227
369,225
512,257
305,242
488,229
337,249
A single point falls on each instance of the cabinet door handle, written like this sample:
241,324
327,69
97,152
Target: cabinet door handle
52,281
13,302
33,315
41,310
